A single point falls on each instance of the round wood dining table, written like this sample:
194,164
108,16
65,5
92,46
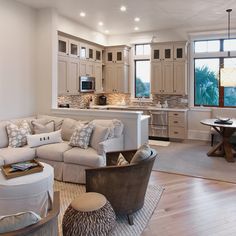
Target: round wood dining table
224,147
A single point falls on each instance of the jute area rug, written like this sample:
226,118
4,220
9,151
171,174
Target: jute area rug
69,191
190,158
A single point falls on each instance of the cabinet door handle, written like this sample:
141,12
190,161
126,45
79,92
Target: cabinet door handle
176,122
176,132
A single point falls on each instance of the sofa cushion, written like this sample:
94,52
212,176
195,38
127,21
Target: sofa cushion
81,136
40,127
12,155
53,152
99,135
3,134
17,221
115,127
58,120
17,133
36,140
84,157
69,126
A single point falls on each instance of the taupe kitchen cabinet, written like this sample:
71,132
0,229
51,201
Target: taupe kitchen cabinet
116,69
162,52
74,48
98,77
68,75
117,55
84,52
162,77
177,123
169,68
116,78
68,47
98,54
180,51
63,46
87,68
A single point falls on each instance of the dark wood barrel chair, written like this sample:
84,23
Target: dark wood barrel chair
124,186
47,226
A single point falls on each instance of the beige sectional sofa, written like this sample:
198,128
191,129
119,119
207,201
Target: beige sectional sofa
69,162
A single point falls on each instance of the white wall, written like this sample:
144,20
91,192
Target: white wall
146,37
73,28
17,65
46,60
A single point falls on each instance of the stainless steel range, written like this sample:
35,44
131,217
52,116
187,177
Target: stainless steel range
158,124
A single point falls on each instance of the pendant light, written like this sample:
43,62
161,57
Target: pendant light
228,75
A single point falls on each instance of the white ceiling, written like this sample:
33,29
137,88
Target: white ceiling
154,14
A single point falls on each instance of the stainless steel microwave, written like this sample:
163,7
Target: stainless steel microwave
87,84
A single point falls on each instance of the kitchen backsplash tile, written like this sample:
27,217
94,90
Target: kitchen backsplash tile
82,101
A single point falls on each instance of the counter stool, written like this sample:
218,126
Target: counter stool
89,214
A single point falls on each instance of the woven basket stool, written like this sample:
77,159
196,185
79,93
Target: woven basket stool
90,214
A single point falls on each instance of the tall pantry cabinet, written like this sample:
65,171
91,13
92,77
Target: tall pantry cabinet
117,69
169,68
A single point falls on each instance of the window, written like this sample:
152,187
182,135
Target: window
142,78
142,70
207,46
207,89
142,49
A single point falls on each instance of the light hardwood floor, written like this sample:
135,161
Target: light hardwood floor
193,207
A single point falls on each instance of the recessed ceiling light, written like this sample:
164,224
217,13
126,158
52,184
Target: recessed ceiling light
107,31
100,23
82,14
136,28
123,8
137,19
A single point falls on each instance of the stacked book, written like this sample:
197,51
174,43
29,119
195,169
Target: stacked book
22,166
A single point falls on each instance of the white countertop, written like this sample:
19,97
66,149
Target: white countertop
130,107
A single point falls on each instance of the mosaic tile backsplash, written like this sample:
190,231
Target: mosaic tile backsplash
82,101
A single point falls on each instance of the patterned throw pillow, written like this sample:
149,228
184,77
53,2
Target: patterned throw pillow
17,134
142,154
81,136
122,161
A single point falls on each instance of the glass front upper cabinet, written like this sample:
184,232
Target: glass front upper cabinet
73,48
91,55
98,55
162,52
83,51
180,51
63,46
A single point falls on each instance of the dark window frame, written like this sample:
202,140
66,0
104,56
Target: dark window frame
221,88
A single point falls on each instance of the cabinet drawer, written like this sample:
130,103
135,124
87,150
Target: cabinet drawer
176,121
177,132
181,115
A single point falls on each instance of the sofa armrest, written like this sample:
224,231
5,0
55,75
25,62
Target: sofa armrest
110,145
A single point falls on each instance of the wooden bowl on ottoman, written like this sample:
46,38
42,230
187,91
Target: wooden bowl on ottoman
89,214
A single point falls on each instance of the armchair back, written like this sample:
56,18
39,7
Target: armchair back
124,186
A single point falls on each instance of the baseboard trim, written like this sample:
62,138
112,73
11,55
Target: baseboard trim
199,135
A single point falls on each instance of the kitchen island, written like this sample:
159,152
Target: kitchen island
164,123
